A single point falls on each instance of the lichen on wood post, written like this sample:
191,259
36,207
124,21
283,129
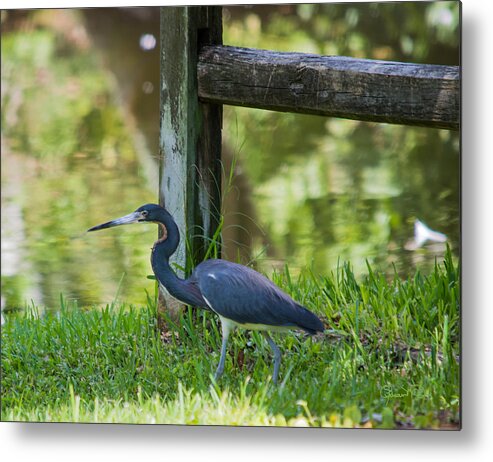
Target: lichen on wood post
190,133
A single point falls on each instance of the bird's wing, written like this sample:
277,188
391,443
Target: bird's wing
245,296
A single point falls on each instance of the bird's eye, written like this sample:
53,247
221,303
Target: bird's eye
144,213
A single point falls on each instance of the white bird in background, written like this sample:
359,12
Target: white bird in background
423,234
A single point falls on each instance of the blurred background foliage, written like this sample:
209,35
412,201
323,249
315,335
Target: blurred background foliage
326,189
68,161
80,128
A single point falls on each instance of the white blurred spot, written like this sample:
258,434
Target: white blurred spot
444,17
147,42
440,15
147,87
424,234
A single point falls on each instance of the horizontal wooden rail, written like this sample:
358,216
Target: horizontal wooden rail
380,91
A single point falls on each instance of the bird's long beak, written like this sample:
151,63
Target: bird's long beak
126,220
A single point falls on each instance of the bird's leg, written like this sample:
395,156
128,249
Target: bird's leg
226,328
277,356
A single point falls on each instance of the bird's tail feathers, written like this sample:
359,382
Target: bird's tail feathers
308,321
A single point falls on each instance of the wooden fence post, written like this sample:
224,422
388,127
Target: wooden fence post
190,133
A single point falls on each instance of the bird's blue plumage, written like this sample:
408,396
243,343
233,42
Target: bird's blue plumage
235,292
245,296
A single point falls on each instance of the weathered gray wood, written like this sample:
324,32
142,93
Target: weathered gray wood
363,89
190,130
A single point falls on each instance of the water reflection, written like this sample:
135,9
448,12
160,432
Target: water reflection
18,276
422,235
352,191
53,255
328,190
80,142
68,157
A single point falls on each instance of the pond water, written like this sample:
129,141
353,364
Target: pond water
80,122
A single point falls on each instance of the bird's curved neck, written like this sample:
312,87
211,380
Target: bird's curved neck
169,238
163,248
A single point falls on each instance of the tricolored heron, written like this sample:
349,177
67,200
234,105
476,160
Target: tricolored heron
240,296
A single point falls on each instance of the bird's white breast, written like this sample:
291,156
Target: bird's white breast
251,326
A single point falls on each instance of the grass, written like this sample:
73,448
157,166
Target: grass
388,359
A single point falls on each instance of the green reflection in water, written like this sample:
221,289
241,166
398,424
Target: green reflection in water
322,189
68,163
328,190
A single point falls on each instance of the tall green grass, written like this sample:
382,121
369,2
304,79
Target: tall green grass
389,358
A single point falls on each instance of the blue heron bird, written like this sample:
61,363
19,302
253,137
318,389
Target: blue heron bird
239,295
